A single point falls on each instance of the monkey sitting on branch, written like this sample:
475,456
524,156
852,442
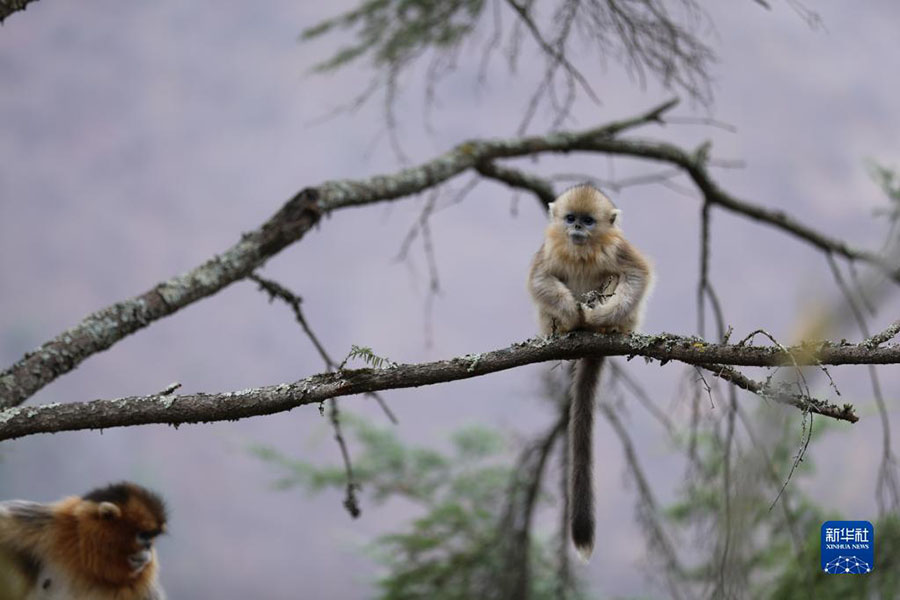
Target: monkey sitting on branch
95,547
586,276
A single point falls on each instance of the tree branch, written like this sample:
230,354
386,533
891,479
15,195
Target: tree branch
514,530
102,329
885,336
276,290
779,393
294,219
202,408
519,179
556,53
695,164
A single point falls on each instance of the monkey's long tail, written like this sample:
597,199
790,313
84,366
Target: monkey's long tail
581,426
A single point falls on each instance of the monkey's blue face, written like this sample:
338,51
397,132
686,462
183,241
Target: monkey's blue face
579,226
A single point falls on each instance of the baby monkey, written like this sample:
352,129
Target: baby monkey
95,547
586,276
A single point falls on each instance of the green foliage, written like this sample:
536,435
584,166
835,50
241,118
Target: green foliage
367,356
454,548
394,32
656,37
773,553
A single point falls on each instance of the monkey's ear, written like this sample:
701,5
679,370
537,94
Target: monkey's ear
614,216
109,511
551,207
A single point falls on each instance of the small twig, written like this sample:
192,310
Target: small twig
887,486
672,119
390,119
789,518
806,405
351,501
564,569
694,423
416,228
492,44
883,337
169,389
765,391
434,284
648,512
617,185
515,524
703,282
276,290
351,107
702,379
679,189
547,86
802,384
861,289
557,55
726,489
806,436
421,228
638,391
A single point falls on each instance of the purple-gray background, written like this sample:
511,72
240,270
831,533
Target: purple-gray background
138,139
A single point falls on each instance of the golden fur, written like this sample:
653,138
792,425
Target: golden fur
586,275
563,273
94,547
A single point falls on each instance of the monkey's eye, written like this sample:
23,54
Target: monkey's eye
147,536
588,221
570,218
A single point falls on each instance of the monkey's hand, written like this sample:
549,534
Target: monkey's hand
603,292
594,298
601,317
568,316
559,310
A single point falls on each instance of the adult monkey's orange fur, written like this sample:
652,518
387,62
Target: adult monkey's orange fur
586,276
95,547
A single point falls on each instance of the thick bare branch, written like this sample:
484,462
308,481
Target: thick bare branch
201,408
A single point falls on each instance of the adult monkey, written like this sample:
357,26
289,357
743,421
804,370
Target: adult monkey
93,547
